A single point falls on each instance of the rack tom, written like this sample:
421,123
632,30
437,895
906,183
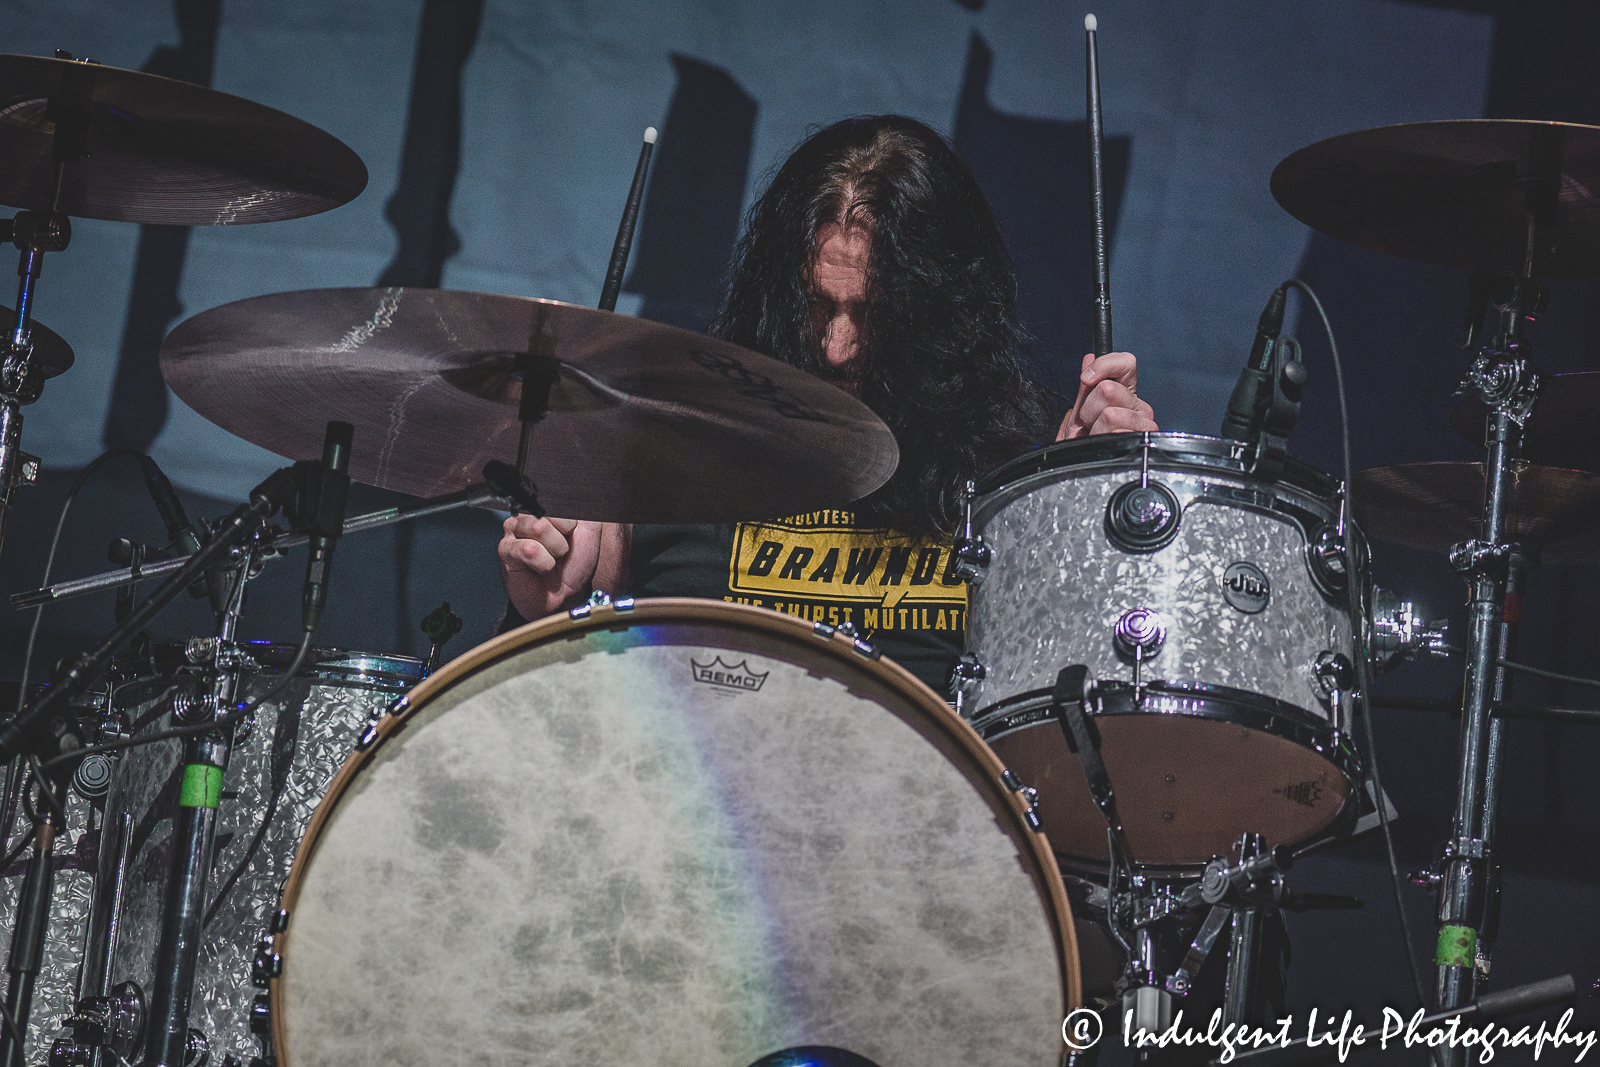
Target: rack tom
1202,599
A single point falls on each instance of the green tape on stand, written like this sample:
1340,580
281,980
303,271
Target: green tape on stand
202,787
1458,946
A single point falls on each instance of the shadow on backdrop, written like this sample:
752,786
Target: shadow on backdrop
1035,174
692,207
138,408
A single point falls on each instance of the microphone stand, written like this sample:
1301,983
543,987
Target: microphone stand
268,546
169,1040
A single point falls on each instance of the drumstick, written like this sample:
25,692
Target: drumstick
1097,180
630,215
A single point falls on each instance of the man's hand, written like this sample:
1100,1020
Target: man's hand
545,562
1108,400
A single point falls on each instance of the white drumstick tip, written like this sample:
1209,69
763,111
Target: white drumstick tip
1091,23
649,135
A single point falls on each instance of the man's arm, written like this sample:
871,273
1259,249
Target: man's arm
1108,399
546,562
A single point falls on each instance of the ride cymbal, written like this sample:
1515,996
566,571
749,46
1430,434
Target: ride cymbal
147,149
646,423
1555,513
1456,194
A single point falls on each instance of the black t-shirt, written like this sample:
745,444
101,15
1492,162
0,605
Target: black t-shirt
900,592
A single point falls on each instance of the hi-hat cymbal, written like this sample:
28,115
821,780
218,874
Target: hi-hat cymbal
648,423
1456,194
1436,505
158,150
51,355
1561,429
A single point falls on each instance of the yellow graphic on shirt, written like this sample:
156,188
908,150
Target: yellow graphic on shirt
821,567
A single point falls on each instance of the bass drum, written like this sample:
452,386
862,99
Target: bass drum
681,833
1227,589
291,749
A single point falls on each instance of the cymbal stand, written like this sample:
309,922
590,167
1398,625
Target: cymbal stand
170,1042
21,382
1501,376
1518,565
35,233
32,916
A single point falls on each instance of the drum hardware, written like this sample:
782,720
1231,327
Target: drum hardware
965,677
1070,703
972,555
1559,431
269,543
1254,881
1142,516
21,380
1138,636
1026,793
1494,570
439,625
30,920
1399,634
205,760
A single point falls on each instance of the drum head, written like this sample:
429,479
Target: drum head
688,834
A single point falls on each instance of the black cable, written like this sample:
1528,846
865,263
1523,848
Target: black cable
1538,672
13,779
1358,621
11,857
277,793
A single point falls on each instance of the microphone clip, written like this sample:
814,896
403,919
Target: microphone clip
1278,409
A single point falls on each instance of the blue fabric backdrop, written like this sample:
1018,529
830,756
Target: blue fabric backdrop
500,137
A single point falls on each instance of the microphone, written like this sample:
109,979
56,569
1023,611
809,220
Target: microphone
327,496
184,541
1254,389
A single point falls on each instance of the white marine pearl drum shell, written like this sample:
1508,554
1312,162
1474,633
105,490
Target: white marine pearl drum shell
1256,749
687,834
301,738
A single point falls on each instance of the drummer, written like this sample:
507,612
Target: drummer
872,261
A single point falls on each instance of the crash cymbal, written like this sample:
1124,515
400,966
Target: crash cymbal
1560,431
51,355
1455,193
158,150
648,423
1436,505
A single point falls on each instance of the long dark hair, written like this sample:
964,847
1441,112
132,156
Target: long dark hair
940,339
